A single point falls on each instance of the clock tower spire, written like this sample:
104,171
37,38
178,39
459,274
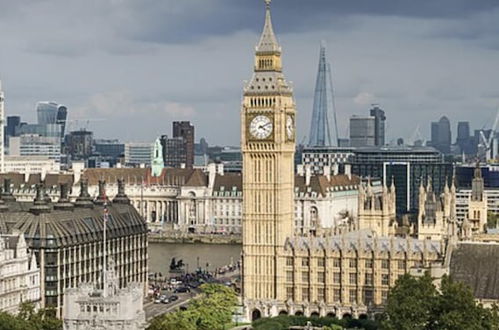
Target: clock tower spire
268,146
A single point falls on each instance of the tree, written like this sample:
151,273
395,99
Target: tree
409,303
455,308
414,303
212,311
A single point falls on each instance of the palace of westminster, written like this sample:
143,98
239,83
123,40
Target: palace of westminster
329,244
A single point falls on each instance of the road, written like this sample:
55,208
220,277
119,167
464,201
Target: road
152,310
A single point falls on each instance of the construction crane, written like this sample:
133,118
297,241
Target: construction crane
488,145
82,123
417,137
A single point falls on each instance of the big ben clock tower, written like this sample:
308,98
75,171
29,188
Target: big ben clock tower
268,146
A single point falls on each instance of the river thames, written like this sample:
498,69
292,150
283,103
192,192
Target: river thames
206,256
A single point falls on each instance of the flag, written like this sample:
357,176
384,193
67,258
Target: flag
106,213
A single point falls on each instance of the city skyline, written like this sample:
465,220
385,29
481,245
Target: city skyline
126,62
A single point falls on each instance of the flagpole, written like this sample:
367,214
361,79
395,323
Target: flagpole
104,252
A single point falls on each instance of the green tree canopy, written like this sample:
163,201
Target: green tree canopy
415,303
212,311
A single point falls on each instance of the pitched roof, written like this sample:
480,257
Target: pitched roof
477,265
320,184
70,227
228,181
169,176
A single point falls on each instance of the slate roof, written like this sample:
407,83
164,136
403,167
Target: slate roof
319,184
477,265
364,240
171,176
56,228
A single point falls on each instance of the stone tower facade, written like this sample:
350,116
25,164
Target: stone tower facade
268,146
477,209
377,212
437,213
2,123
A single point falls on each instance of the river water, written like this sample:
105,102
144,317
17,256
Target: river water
206,256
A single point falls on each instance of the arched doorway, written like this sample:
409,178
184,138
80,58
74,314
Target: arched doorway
299,313
283,313
331,315
363,317
256,315
314,314
347,316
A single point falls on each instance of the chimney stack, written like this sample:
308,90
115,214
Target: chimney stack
121,197
102,198
64,203
84,200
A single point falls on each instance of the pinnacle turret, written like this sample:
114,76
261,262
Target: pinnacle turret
268,41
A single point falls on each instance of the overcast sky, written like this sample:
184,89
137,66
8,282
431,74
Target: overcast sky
134,66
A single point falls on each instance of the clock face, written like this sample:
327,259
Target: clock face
261,127
290,127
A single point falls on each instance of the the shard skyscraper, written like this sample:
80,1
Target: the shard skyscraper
320,134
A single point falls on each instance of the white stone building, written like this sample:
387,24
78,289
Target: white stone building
19,274
91,308
31,165
204,202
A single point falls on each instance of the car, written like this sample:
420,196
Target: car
157,301
194,284
173,298
165,301
174,281
182,289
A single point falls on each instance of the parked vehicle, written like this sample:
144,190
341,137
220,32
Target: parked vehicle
174,281
182,289
173,298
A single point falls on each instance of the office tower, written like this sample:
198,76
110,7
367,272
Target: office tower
320,135
52,113
79,144
35,145
379,125
2,116
184,129
441,137
268,146
12,123
138,154
407,166
174,151
464,140
362,131
62,116
109,148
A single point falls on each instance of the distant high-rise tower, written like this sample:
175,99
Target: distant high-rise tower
379,125
464,140
184,129
362,131
320,134
2,114
441,137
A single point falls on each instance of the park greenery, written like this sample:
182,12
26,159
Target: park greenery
284,322
414,303
211,311
30,319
